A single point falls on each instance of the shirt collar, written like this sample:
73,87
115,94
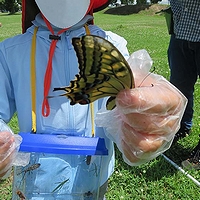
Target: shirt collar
39,22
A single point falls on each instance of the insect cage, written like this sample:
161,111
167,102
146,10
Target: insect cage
61,167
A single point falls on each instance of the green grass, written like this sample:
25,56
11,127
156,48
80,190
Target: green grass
157,179
11,25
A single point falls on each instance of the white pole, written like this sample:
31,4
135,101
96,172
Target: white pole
180,169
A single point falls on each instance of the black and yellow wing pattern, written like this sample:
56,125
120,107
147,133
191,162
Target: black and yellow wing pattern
103,71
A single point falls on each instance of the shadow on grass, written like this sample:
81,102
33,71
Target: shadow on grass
178,153
159,167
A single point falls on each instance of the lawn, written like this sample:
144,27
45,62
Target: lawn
157,179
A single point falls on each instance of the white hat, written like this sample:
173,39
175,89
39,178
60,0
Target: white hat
63,13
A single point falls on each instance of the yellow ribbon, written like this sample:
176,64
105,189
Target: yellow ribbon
33,80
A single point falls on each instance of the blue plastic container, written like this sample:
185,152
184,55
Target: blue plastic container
61,168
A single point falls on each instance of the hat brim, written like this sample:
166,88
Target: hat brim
30,10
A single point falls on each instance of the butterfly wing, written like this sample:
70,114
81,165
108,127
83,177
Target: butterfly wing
103,71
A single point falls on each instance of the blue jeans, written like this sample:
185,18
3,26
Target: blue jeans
184,62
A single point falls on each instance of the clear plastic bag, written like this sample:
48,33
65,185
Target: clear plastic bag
146,118
7,157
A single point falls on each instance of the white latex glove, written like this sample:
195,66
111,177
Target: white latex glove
146,118
9,145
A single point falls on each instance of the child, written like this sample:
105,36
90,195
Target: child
55,63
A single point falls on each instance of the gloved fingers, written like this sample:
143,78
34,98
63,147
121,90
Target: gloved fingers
140,142
9,145
5,136
158,99
5,146
127,152
7,162
154,124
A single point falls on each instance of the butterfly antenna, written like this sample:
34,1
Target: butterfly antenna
61,95
56,89
49,97
147,76
60,88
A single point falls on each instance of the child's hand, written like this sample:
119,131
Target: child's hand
7,142
147,117
150,118
9,145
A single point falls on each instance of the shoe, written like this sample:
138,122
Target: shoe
193,162
182,132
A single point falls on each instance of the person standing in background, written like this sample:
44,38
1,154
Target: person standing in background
184,62
146,125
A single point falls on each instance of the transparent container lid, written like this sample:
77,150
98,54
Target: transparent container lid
62,144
